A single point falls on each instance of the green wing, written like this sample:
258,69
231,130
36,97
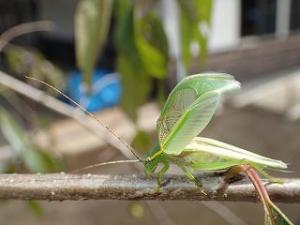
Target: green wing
212,151
190,107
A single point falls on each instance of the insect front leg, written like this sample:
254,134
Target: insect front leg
161,173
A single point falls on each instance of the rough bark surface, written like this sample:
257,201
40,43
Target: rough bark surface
59,187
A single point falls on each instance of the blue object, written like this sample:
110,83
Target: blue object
106,90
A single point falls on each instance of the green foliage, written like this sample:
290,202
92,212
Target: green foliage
151,44
274,216
142,53
135,82
140,39
30,62
142,141
136,209
194,24
92,20
33,159
136,86
35,207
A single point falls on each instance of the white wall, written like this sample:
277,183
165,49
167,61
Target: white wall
225,30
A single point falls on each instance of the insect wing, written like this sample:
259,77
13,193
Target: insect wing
189,108
231,152
182,100
194,119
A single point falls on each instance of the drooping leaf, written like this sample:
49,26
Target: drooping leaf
92,20
195,16
275,216
142,54
124,31
51,163
161,93
189,108
136,83
141,141
32,63
151,44
35,207
135,86
136,209
34,160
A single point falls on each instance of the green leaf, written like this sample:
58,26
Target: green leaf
34,160
13,132
151,44
136,86
142,141
194,13
187,36
142,54
51,164
189,108
136,209
31,62
161,93
124,32
35,207
274,216
92,20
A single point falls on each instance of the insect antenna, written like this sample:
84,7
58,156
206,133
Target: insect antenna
107,163
131,149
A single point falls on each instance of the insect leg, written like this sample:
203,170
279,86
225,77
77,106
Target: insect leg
190,176
162,172
150,158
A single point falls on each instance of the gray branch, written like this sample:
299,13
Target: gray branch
24,28
64,109
58,187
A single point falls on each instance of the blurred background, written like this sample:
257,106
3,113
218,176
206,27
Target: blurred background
119,60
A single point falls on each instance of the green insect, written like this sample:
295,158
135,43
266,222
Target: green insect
187,111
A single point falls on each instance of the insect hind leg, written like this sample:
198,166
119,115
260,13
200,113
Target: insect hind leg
266,175
191,177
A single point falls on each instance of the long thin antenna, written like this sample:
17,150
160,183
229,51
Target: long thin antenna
90,114
107,163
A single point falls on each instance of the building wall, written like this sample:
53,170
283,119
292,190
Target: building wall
225,30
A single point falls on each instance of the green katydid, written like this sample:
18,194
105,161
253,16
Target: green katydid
187,111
